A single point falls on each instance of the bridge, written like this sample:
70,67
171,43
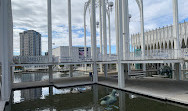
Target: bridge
149,56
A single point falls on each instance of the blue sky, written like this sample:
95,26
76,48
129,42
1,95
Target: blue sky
33,16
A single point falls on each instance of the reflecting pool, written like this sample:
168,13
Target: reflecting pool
84,98
40,76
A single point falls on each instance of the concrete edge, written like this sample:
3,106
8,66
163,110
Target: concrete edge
149,95
72,85
29,87
163,98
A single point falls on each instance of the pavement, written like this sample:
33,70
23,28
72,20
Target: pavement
165,89
65,82
26,85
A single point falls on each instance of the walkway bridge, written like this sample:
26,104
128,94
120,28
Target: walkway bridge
153,55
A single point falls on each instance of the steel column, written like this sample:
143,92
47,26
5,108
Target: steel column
100,23
117,29
104,35
49,31
176,27
126,49
6,38
70,35
85,44
94,44
121,76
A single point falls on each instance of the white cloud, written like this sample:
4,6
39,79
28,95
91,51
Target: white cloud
32,14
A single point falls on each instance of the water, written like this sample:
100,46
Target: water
39,76
83,98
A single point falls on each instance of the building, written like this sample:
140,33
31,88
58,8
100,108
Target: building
30,43
161,40
62,53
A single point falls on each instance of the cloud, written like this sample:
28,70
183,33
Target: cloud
32,14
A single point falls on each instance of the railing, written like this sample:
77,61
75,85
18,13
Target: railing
74,59
107,57
185,53
159,54
30,59
149,55
44,59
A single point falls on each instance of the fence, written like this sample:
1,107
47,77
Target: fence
149,55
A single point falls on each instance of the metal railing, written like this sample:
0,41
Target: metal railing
30,59
101,57
149,55
74,59
44,59
159,54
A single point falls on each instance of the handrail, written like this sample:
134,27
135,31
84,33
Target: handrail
149,55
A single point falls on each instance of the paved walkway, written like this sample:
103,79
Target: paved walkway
25,85
69,82
63,82
166,89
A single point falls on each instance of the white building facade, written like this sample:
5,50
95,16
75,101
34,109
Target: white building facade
160,42
161,38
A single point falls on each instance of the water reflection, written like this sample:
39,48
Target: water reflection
83,98
38,76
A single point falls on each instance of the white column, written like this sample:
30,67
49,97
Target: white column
70,37
122,100
147,50
50,39
95,97
117,29
121,76
173,71
140,4
109,30
85,48
49,31
177,71
91,36
104,35
50,69
12,75
94,44
100,23
6,38
175,27
104,28
125,13
183,66
70,28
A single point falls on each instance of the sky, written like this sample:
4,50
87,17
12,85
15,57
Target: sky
32,15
